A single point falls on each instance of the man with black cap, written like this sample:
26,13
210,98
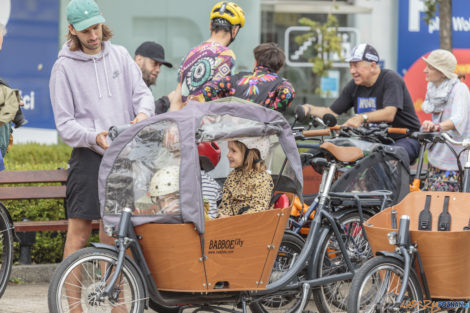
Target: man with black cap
377,95
150,56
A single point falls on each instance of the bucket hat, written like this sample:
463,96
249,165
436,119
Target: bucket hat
443,61
82,14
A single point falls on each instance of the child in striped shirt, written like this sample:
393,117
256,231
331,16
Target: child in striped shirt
209,157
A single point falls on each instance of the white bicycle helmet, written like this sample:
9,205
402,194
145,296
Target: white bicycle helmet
261,143
165,181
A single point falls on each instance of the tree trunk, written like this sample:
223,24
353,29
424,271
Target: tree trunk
445,24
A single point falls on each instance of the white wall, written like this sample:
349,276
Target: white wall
380,28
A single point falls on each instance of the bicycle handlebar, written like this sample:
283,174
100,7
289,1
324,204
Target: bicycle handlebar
464,143
316,132
394,130
320,132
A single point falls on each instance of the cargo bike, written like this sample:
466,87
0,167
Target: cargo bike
168,256
422,249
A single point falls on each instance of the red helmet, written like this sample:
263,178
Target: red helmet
209,155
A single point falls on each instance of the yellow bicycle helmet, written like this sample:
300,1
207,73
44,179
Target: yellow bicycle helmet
229,11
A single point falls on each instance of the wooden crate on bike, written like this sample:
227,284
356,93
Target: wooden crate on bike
445,254
240,252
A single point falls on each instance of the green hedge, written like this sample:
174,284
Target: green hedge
49,245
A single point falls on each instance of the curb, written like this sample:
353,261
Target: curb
36,273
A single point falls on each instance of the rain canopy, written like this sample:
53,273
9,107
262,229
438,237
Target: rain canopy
144,163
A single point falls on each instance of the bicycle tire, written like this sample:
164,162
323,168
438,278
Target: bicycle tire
291,245
376,270
332,297
83,273
6,249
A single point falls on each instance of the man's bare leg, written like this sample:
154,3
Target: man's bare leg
78,232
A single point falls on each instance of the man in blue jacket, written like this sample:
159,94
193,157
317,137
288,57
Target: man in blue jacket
94,85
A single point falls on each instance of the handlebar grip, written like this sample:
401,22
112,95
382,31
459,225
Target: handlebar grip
394,130
329,120
403,238
300,113
114,131
316,132
336,127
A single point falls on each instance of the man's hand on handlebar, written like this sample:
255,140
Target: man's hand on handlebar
355,121
312,110
101,140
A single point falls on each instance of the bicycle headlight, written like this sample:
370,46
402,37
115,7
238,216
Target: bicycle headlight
392,237
108,230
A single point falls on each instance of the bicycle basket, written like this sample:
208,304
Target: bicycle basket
445,254
383,169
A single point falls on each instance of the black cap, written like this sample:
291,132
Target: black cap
154,51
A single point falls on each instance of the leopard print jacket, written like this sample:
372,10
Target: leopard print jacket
251,189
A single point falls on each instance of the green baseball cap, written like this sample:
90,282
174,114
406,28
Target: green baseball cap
82,14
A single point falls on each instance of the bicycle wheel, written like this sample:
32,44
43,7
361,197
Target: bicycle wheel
332,297
6,249
80,278
376,285
286,301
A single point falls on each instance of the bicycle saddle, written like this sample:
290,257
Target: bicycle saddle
343,154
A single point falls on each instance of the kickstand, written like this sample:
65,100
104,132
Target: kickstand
305,294
244,304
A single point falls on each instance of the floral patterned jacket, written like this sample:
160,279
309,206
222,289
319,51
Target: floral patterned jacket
261,86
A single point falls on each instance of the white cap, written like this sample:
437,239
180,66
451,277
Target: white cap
261,143
165,181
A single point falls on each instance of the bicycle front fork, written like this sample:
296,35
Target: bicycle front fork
123,243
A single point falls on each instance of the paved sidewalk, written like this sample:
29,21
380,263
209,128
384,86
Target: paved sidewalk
25,298
29,295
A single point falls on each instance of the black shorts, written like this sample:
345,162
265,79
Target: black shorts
82,185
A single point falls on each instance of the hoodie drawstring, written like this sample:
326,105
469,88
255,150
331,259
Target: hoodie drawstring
106,74
97,80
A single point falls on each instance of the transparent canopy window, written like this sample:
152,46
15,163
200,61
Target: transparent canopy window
145,176
223,128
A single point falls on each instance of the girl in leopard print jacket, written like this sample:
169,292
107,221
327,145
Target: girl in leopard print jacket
248,188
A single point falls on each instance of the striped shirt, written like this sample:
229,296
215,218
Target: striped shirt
212,192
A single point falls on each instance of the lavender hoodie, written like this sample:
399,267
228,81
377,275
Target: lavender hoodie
90,93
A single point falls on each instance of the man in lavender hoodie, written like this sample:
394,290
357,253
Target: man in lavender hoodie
94,85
